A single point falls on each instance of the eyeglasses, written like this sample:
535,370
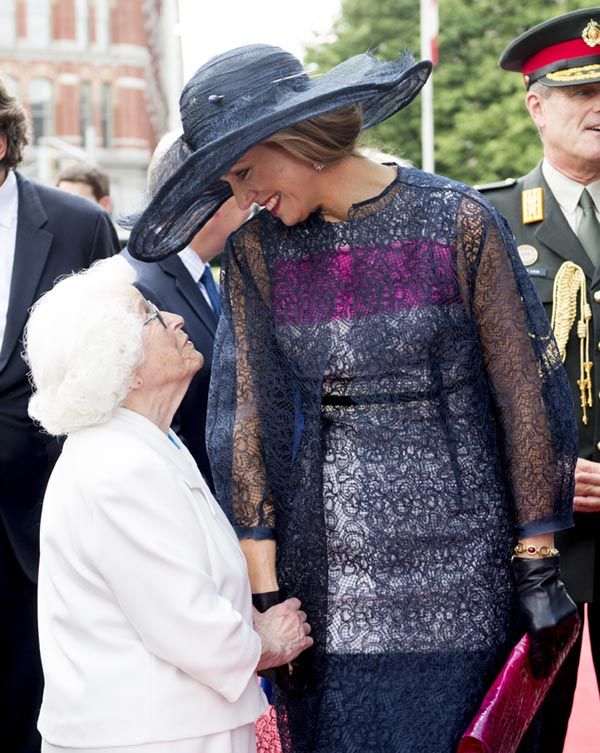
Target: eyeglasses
154,314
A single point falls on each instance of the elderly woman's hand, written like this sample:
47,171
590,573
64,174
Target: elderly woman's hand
284,633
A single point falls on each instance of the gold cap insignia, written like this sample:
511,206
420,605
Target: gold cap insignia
528,254
591,34
576,75
533,205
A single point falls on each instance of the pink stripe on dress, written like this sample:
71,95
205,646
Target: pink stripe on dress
350,283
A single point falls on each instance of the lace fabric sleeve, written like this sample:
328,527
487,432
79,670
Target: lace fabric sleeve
529,387
249,395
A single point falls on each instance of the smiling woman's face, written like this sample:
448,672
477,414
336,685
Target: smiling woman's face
271,177
169,355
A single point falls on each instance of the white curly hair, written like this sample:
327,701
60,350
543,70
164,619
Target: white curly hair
83,342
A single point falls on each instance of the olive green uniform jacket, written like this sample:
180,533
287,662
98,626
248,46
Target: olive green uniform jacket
554,243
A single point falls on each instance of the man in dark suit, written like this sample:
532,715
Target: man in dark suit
554,213
44,234
183,284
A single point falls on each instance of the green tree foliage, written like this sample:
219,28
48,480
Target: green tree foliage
482,129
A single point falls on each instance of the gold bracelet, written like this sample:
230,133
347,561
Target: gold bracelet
535,551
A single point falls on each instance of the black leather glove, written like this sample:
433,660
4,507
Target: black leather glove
292,680
547,608
267,599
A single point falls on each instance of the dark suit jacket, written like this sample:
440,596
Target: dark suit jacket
57,233
170,286
556,243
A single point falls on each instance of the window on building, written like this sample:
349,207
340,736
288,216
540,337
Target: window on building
11,85
82,22
38,22
102,24
85,109
107,115
40,99
8,26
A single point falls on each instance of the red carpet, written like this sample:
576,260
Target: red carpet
583,735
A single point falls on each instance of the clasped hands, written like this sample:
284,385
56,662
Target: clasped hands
284,633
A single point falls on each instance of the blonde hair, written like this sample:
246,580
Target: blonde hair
324,140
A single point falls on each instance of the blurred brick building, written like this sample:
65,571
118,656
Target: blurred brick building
100,79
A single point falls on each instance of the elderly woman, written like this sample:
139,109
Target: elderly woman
145,618
392,421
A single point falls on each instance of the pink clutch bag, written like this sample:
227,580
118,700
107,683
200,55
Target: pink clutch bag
514,697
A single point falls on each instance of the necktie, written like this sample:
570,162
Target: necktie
208,281
589,229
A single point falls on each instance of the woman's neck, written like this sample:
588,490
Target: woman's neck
158,407
349,182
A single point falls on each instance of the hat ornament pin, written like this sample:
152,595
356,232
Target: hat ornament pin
591,34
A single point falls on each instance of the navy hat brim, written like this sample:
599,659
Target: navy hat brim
194,192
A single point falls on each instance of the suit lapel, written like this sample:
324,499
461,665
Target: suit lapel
173,266
554,231
32,246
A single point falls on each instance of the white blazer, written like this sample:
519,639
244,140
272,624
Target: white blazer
145,614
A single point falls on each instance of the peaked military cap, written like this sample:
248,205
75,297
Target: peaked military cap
559,52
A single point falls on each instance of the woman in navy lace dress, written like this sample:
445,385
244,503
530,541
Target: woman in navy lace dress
391,414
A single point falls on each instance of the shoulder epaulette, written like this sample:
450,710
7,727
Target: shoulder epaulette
498,184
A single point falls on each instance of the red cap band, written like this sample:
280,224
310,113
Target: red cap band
574,48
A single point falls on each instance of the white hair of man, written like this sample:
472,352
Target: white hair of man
83,342
172,157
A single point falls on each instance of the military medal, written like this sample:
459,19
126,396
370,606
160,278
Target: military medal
533,205
528,254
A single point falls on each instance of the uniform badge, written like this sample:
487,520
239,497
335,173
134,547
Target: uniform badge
528,254
591,34
570,287
533,205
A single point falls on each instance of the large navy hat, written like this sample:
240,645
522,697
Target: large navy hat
560,52
240,98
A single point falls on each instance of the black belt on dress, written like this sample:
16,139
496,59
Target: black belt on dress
381,398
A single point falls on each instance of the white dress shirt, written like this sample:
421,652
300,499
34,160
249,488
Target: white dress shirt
195,266
144,606
9,206
567,193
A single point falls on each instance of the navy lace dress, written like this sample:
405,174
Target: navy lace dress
391,407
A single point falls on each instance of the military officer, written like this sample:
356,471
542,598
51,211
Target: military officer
554,212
